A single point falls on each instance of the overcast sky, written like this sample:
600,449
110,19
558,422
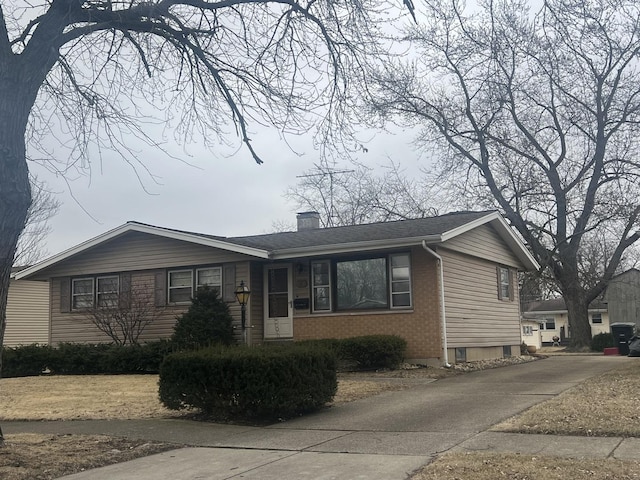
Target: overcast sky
224,194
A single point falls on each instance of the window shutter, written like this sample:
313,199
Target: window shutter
512,285
65,295
499,282
229,283
161,289
124,299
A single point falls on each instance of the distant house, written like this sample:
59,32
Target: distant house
446,284
552,319
27,312
623,298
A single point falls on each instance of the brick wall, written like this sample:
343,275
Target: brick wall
419,326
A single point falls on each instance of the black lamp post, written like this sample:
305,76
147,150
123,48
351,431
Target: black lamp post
242,295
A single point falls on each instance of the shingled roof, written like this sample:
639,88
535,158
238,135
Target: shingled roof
283,245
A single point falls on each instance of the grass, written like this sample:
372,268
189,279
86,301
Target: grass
605,405
108,397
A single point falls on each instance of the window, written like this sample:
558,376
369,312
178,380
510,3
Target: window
400,281
504,284
596,318
321,281
461,354
211,277
81,293
548,323
180,286
527,330
506,351
107,291
361,284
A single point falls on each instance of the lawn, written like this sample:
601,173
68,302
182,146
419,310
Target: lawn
605,405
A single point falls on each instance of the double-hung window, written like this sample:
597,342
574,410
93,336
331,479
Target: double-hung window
107,291
182,283
180,286
504,284
380,282
321,281
209,277
596,318
82,293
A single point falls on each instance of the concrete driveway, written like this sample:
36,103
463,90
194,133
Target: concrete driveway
383,437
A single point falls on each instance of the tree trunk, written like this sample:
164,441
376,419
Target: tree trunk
578,310
15,192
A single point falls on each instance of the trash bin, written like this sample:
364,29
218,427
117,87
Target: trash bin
622,333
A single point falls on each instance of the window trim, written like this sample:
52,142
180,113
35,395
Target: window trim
170,288
509,296
390,295
213,285
74,295
98,292
593,316
328,285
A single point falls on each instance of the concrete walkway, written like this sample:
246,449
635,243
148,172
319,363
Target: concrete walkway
383,437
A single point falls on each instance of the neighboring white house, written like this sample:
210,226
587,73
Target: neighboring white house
27,313
553,321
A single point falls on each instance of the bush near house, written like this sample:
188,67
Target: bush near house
207,322
84,359
601,341
369,352
249,383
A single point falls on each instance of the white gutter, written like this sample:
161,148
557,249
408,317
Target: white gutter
443,316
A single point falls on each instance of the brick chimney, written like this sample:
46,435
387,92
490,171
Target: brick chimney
308,220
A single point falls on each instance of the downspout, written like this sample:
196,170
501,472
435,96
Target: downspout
443,316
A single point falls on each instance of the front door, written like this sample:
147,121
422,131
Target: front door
278,305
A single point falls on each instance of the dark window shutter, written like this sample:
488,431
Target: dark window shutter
499,283
161,289
229,283
65,294
512,285
124,300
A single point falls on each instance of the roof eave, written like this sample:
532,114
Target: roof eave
321,250
137,227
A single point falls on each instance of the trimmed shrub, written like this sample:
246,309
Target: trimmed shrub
26,360
207,322
374,351
601,341
84,359
249,383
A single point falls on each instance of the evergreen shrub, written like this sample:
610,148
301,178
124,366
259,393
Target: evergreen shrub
249,383
374,351
207,322
84,359
601,341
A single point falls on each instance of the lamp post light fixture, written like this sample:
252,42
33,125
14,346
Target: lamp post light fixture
242,295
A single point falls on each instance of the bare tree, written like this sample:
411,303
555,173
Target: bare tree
541,110
43,206
359,194
84,71
124,316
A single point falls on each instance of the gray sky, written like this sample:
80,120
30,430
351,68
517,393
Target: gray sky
225,193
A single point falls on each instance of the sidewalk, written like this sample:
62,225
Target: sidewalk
385,437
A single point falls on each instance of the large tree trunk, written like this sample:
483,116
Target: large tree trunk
578,310
15,193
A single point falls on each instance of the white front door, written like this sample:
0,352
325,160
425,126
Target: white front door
278,305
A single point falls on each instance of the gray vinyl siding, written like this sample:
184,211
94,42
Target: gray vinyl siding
138,251
76,326
623,297
27,313
475,315
484,242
